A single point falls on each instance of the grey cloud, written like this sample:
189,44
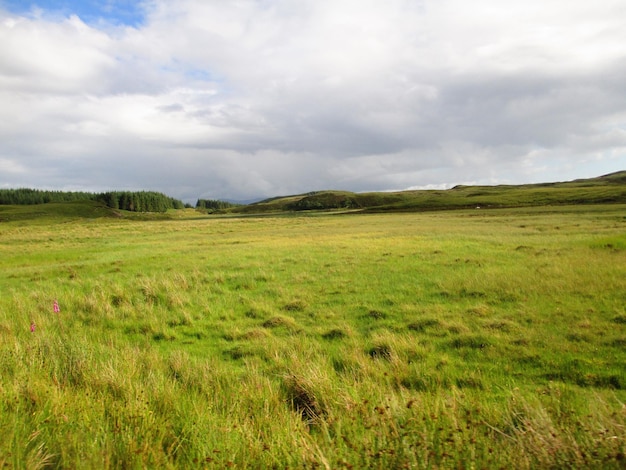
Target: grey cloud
171,108
217,99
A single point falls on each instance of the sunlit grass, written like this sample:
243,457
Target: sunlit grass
471,338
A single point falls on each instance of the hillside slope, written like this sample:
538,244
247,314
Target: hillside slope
604,189
56,211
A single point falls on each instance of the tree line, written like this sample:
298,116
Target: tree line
140,201
136,201
25,196
214,204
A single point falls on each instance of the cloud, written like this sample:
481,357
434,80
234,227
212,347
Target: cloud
266,97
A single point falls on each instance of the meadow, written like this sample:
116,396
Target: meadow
448,339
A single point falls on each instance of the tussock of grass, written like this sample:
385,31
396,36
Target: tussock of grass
335,334
380,351
376,315
280,321
620,319
295,306
424,324
255,334
470,341
505,326
301,396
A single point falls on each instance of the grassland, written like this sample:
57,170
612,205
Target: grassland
473,338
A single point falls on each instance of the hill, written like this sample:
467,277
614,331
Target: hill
80,210
56,210
604,189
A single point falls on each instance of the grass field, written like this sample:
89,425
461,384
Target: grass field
472,339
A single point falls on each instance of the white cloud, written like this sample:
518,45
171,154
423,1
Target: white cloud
263,97
44,57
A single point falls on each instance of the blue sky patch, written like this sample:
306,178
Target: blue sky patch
117,12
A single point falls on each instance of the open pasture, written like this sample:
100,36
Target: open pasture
479,339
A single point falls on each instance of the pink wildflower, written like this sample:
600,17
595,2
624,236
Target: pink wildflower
32,326
56,307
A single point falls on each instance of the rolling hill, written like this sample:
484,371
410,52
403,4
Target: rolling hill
604,189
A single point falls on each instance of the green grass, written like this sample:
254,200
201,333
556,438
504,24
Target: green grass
487,339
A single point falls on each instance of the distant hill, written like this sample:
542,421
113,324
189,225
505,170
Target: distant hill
604,189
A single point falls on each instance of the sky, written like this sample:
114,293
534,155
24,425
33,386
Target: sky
244,99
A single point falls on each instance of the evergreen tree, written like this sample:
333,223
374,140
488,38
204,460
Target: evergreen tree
138,201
